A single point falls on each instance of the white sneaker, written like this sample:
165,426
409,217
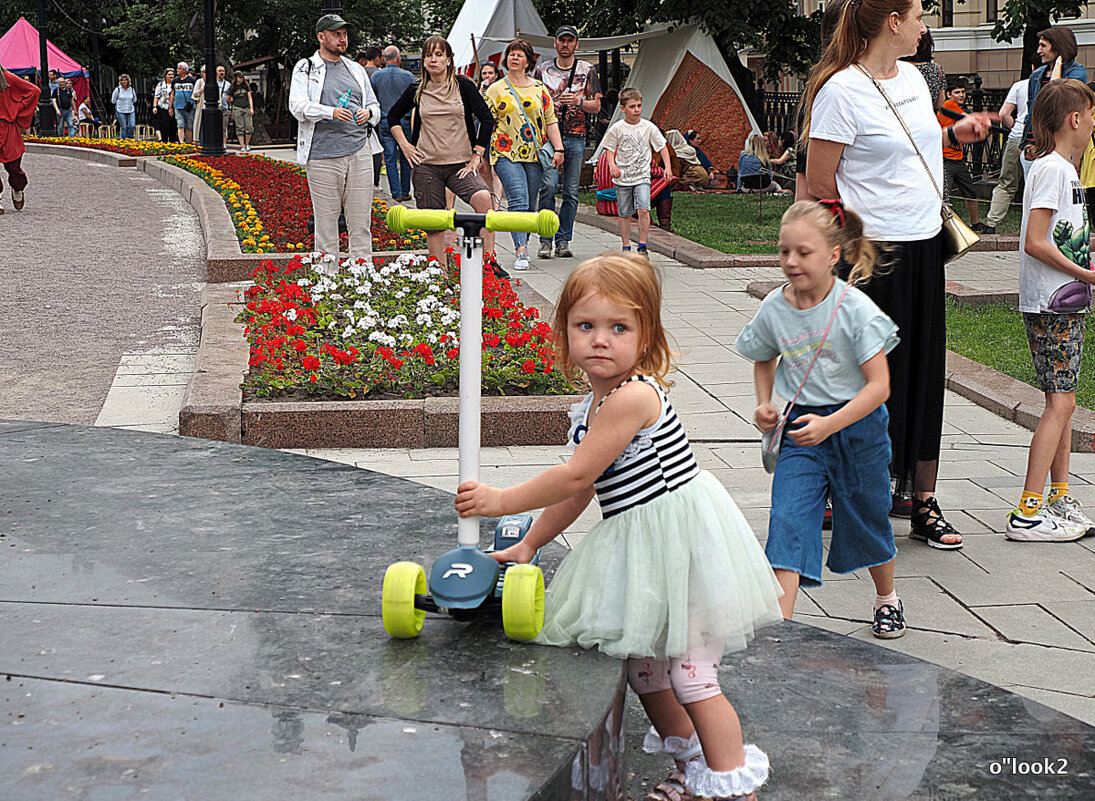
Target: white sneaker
1069,509
521,262
1043,526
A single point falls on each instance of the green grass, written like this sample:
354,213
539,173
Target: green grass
729,223
995,336
750,223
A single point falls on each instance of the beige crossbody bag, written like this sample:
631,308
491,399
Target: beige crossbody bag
957,236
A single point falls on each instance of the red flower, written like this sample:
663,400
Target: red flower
528,366
311,363
491,340
300,345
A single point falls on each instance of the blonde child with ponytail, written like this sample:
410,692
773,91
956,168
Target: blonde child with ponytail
821,343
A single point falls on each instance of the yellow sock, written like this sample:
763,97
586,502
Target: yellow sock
1057,489
1029,503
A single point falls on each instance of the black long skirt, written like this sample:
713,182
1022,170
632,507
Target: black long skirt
909,286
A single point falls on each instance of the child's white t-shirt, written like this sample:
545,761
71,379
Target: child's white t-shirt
859,331
632,145
1053,184
879,175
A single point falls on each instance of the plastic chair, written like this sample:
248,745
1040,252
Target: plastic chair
144,132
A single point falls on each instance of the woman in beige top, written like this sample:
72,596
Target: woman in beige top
444,150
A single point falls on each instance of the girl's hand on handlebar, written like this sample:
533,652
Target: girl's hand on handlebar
520,553
473,498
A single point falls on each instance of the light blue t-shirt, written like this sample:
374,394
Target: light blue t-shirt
860,330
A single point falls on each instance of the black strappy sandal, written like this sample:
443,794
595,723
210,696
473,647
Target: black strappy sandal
929,526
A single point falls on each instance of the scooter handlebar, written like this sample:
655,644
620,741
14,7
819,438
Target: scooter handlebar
545,222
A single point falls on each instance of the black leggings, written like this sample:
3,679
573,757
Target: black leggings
910,288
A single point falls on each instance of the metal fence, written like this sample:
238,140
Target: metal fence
781,114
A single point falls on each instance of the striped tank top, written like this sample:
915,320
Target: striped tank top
656,462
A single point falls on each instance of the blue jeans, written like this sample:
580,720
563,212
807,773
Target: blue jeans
64,120
574,151
127,122
396,164
521,180
852,468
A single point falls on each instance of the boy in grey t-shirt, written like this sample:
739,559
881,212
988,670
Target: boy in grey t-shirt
629,144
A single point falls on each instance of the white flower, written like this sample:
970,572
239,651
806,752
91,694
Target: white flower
291,314
349,332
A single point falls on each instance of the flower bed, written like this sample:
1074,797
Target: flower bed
387,331
127,147
270,204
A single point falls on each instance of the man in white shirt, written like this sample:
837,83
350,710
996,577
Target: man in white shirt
1013,113
332,98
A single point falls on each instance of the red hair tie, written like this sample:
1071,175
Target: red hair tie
836,208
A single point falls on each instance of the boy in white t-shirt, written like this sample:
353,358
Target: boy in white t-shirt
629,143
1055,278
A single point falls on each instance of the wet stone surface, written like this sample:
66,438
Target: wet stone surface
189,619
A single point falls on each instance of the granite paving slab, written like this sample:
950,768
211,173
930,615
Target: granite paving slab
192,619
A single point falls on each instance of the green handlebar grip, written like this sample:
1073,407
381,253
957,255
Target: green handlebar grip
545,222
401,219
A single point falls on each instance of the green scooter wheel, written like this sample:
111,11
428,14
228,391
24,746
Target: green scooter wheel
402,581
523,602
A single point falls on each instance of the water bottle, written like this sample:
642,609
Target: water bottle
344,99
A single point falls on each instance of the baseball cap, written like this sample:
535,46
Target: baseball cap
331,22
566,30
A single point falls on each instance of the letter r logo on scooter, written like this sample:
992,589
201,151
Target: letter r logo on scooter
461,569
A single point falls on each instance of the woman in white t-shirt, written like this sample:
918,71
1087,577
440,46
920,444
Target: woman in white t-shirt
859,152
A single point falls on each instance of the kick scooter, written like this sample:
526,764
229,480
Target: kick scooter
466,583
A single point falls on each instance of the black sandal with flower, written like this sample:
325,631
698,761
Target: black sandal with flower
929,526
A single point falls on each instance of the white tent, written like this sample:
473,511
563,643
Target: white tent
497,22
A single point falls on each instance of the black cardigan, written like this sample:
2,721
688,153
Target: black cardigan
475,107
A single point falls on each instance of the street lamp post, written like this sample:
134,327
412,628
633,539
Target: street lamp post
212,130
47,125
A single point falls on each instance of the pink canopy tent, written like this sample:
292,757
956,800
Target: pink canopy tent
19,54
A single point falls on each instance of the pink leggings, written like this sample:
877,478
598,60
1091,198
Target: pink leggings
693,677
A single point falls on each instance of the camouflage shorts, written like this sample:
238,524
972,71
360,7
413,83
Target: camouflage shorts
1057,344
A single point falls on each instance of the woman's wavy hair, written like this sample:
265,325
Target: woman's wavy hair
860,21
1055,102
841,228
629,281
436,44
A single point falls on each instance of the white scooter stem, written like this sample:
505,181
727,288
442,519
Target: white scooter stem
471,372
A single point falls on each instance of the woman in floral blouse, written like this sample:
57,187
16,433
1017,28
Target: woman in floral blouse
519,132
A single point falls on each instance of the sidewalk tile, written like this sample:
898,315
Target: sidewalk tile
1030,623
1039,667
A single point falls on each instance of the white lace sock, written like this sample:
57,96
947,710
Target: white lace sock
702,781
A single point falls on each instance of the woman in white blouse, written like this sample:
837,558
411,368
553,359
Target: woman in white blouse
859,152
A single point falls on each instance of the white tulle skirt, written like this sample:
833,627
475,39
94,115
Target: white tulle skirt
656,580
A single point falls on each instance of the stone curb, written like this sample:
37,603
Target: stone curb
84,154
213,406
701,257
988,388
225,261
